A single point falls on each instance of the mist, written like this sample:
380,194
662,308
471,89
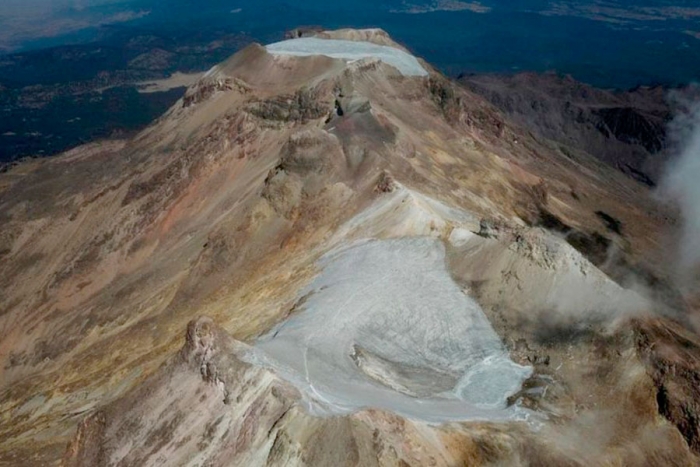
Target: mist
23,21
681,185
27,8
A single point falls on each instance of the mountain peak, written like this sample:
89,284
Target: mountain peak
387,252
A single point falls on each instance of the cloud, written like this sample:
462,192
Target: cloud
681,183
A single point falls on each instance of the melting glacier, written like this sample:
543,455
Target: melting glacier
384,325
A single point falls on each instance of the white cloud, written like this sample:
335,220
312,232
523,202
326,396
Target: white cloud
681,185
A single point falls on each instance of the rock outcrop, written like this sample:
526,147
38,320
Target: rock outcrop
204,405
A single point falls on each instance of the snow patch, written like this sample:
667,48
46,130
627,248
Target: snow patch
460,237
406,63
406,213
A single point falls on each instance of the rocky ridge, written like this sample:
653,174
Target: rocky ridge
625,129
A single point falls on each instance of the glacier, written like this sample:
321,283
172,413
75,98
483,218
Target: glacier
384,325
406,63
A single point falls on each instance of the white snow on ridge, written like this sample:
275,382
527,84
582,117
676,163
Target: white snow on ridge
406,63
384,325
